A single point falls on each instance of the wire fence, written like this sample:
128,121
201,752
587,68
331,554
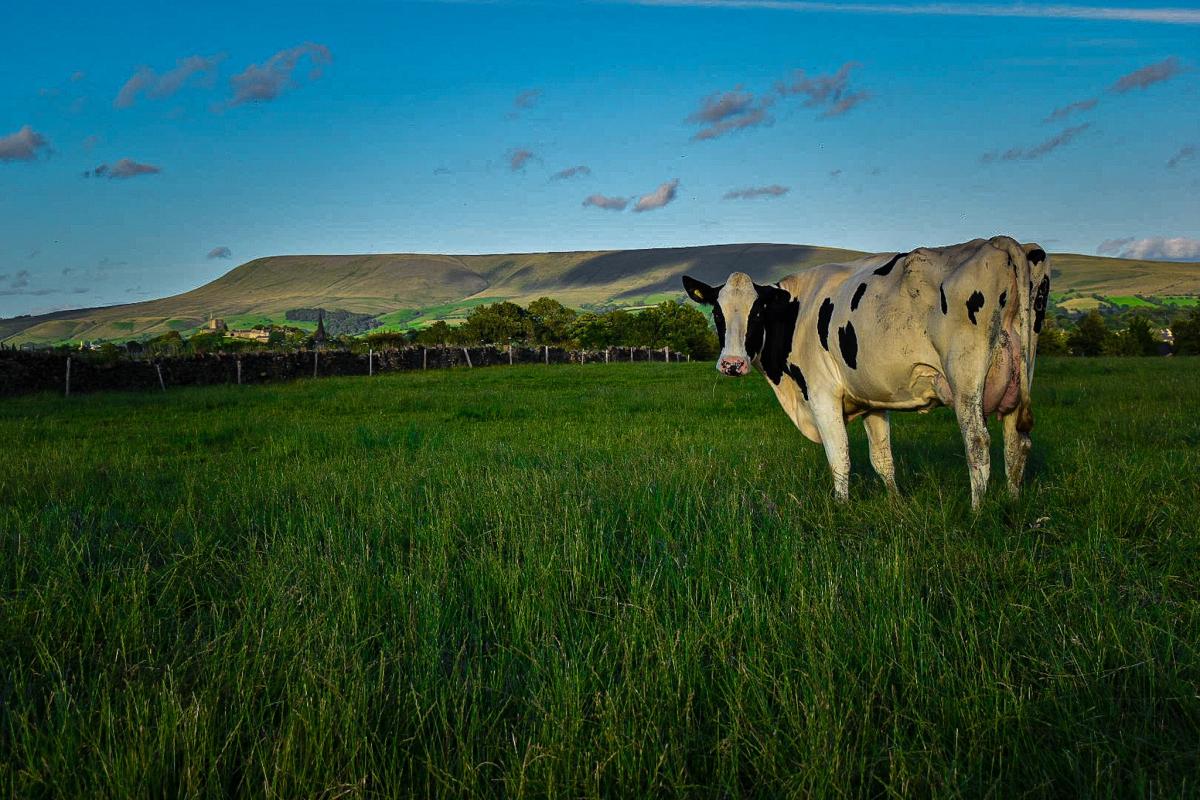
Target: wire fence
25,372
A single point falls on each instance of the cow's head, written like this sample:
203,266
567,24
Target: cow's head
740,309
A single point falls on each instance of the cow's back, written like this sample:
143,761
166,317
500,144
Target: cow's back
886,326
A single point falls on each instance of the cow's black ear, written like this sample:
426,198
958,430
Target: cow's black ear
700,291
773,297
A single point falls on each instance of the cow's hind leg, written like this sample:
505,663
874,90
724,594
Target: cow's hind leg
879,444
969,408
827,413
1016,451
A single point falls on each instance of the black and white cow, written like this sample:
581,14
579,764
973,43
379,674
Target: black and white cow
955,326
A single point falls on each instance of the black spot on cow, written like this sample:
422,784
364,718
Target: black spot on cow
1039,304
795,374
1036,256
773,320
974,303
886,268
942,292
823,318
1003,298
848,343
858,295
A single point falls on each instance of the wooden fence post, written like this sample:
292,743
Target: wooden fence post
314,363
239,370
667,354
547,354
468,355
425,358
631,355
161,384
68,394
370,362
606,354
510,354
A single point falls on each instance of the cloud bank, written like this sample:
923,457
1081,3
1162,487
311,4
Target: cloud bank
1185,152
1148,76
607,203
220,252
157,87
124,168
261,84
1039,150
571,172
751,192
517,159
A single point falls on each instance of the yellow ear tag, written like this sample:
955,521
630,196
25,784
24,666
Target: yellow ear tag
697,296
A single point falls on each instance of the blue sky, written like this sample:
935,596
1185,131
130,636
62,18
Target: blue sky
394,127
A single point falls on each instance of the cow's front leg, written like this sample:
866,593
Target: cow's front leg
831,423
879,444
969,408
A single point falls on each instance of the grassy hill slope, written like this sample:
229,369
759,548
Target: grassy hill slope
414,289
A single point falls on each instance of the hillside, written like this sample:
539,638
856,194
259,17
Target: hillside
410,289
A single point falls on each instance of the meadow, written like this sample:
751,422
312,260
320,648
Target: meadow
593,581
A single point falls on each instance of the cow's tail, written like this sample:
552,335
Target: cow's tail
1022,323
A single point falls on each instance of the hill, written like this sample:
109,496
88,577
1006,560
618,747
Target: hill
403,290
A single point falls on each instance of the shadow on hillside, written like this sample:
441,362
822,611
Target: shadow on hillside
710,264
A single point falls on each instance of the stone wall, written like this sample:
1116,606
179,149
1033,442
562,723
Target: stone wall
24,372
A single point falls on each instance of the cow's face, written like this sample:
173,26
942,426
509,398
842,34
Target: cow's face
740,308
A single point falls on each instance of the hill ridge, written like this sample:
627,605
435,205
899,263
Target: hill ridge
408,288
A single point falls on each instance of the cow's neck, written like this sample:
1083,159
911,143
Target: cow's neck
780,329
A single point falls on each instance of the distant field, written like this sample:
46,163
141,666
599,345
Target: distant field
595,581
1131,302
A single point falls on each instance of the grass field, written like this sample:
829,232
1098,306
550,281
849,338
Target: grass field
593,581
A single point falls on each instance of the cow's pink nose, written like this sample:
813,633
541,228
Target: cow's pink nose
734,365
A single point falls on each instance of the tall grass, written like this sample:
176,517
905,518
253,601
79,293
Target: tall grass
593,581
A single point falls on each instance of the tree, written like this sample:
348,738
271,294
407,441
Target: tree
679,326
591,331
552,321
498,323
1186,331
1142,340
437,333
1090,336
1052,341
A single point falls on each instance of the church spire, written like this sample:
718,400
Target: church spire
319,336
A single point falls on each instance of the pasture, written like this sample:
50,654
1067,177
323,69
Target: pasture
594,581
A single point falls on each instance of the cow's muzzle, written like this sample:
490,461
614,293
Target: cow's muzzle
734,366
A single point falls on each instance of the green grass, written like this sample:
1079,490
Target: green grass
593,581
1130,301
1185,301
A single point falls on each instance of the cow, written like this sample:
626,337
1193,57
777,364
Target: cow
949,326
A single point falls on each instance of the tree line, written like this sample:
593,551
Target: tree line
545,321
1094,335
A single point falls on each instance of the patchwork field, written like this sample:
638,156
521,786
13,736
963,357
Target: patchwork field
593,581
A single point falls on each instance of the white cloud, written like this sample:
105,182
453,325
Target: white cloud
22,145
1154,248
1167,16
664,194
